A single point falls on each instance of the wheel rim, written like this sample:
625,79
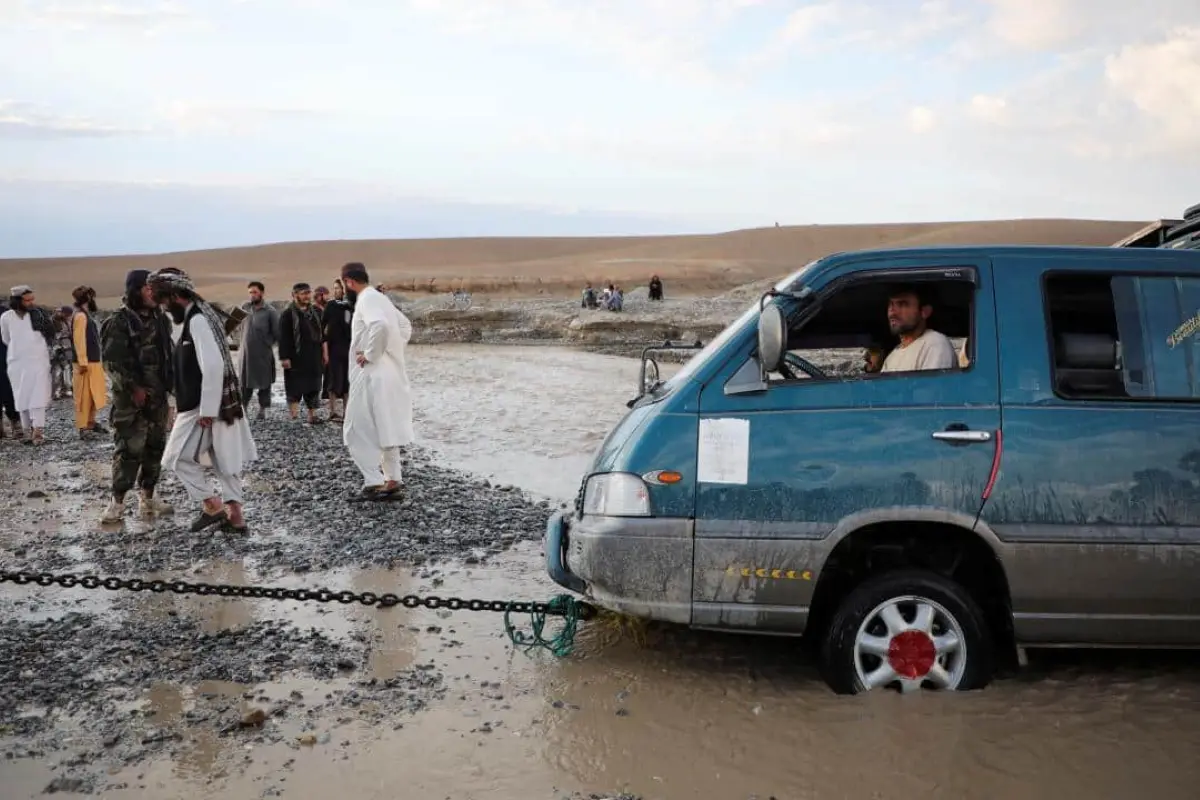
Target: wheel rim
910,641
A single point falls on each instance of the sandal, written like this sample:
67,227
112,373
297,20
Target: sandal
207,520
229,527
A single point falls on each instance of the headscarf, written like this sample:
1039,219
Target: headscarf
171,280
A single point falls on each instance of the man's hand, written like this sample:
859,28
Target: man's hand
139,397
205,422
82,369
286,363
360,359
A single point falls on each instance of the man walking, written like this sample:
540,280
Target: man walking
28,332
379,411
210,427
260,333
301,353
88,385
137,349
336,328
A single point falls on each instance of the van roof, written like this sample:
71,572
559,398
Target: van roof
1104,256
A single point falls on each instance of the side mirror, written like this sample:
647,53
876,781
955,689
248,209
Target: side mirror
649,377
772,332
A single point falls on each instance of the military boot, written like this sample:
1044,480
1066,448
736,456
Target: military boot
151,506
114,513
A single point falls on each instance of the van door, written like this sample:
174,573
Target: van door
1098,501
781,468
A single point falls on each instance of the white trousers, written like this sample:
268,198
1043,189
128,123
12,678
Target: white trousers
377,465
191,474
34,418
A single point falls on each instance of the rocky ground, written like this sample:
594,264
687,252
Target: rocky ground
75,667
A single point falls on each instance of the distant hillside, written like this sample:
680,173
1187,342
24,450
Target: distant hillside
688,264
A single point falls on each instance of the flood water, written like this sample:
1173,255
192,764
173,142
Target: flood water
680,715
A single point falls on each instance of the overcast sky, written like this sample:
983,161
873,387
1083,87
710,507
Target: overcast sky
138,125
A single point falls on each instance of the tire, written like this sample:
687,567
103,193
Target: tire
1192,213
963,669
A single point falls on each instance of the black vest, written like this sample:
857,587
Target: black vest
188,377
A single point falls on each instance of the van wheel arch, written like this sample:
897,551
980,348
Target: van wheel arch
943,548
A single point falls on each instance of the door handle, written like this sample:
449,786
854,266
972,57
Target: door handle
963,436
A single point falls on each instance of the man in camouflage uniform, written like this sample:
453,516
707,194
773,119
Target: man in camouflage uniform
136,345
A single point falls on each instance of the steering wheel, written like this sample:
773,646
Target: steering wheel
793,363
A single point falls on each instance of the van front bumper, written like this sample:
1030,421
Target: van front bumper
640,566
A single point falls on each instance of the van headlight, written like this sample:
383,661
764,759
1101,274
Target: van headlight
616,494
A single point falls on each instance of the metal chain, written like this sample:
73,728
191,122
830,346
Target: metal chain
562,606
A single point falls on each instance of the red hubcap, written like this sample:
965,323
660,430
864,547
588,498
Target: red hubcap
911,654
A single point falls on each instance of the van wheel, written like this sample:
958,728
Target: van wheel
910,629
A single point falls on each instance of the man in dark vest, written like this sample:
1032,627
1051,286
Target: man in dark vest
301,353
89,385
210,429
137,351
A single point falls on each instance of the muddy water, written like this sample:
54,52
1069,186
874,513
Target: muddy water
682,715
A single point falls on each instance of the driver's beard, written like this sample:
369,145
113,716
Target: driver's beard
351,295
178,313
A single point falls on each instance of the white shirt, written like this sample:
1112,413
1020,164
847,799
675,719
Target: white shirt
930,350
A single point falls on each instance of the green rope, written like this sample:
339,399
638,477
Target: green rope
561,643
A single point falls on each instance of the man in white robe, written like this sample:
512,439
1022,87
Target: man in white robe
210,427
27,332
379,410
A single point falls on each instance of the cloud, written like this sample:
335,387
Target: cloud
988,108
1047,25
921,120
236,120
137,16
20,120
1162,80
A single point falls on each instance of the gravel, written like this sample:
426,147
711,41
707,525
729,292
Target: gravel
91,670
296,505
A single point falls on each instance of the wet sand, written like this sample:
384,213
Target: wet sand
682,715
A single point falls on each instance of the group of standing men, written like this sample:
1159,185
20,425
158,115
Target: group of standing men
354,353
312,336
34,344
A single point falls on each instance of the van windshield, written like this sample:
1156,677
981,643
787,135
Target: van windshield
731,330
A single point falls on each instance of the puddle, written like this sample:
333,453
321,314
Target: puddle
685,715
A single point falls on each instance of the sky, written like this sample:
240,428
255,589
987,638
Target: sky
149,125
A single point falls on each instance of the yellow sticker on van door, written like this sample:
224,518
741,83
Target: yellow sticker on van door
771,573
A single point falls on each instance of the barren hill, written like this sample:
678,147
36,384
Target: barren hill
688,264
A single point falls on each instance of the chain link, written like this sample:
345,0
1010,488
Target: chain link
576,608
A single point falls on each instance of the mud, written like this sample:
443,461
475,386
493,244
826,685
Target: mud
161,696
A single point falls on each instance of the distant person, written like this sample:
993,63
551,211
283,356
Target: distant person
62,354
920,347
616,299
589,297
28,332
260,334
336,330
210,428
137,349
301,353
8,406
873,357
656,289
379,411
89,385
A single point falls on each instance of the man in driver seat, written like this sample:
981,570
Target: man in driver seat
920,347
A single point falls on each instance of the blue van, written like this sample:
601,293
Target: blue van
923,516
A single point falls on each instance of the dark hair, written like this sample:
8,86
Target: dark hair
356,271
256,285
925,293
300,287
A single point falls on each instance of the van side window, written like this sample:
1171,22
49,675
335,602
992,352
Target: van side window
856,330
1121,337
